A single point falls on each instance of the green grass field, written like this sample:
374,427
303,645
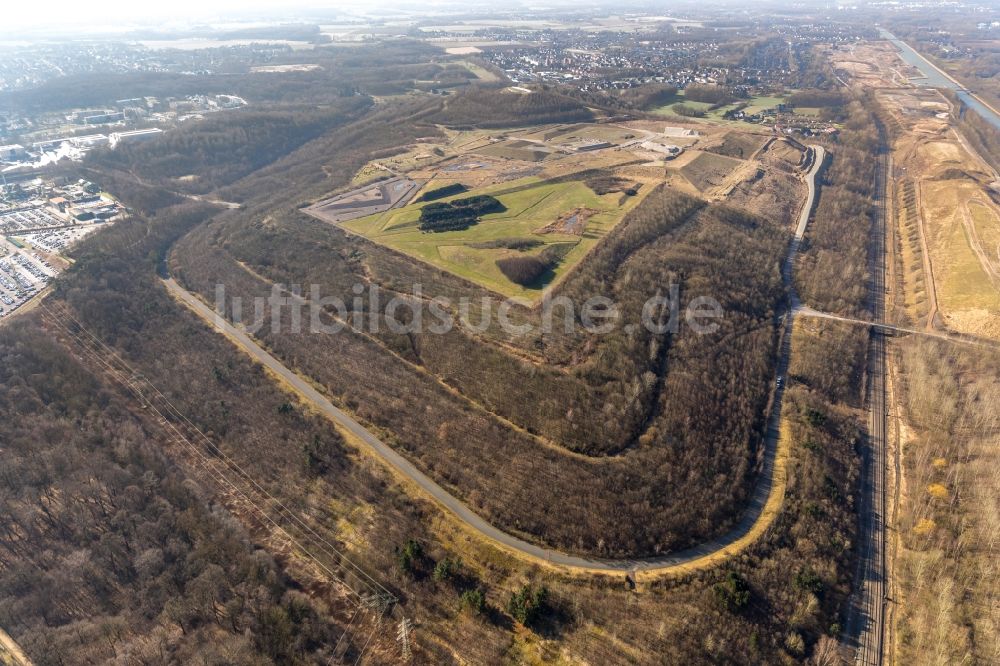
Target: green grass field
531,205
481,73
811,111
669,108
758,104
755,105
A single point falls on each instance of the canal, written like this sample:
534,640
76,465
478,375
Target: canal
933,78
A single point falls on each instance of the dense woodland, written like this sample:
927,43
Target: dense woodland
709,94
120,301
834,262
226,146
380,390
804,576
949,525
791,586
493,107
108,549
442,192
656,421
458,214
609,404
385,69
649,96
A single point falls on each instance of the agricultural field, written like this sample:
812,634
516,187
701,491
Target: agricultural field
540,213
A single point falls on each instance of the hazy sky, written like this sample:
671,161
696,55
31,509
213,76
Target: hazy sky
120,14
23,19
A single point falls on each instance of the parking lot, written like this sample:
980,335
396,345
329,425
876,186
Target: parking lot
23,275
29,218
58,240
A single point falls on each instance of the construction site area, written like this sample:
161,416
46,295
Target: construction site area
945,202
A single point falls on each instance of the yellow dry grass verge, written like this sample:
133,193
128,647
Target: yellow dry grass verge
938,491
11,653
924,526
467,539
967,296
915,296
481,73
530,649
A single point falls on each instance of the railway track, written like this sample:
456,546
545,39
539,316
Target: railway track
867,612
370,598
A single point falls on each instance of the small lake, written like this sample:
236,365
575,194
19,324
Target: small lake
933,78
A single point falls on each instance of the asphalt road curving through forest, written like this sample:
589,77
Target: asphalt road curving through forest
764,504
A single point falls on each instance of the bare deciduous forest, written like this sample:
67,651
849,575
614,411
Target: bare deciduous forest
108,549
655,436
630,395
833,266
949,527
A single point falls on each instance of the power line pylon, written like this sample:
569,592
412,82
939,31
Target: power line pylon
403,638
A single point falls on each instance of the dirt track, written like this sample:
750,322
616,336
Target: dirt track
9,648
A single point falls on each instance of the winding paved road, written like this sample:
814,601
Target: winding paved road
764,505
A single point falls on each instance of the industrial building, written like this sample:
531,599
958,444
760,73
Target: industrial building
83,142
105,118
134,136
670,151
591,144
11,152
81,116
